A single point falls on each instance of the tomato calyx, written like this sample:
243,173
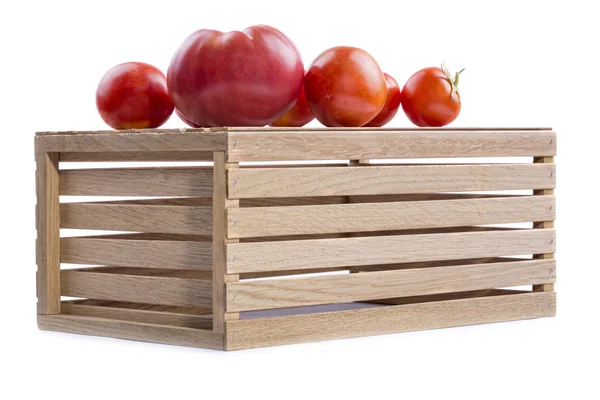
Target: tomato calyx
453,82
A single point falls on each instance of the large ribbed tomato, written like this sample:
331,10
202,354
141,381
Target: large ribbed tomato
248,78
430,97
134,95
345,87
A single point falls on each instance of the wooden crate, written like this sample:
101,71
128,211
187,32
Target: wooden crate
275,242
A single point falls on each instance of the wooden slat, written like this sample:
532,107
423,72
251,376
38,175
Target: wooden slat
283,182
303,144
544,224
172,273
137,156
128,314
137,218
136,288
323,253
170,181
447,296
169,254
203,311
279,293
273,221
173,335
134,141
48,231
261,332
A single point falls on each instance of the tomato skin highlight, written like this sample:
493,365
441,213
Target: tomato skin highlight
392,103
239,78
299,115
345,87
134,95
427,98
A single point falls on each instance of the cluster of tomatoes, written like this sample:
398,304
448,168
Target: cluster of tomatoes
256,77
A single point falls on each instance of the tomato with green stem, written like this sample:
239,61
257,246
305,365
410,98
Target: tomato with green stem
430,98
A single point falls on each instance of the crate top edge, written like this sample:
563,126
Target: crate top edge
220,130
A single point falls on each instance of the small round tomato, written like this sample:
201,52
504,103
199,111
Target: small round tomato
392,103
134,95
345,87
299,115
430,97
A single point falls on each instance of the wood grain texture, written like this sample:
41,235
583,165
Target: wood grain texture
124,156
171,273
204,311
273,221
136,288
279,293
323,253
140,331
356,144
128,314
544,224
283,182
137,218
262,332
170,254
447,296
134,141
168,181
48,231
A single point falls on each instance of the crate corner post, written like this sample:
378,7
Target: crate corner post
48,230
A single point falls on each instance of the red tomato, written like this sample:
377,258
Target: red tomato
184,119
345,87
248,78
134,95
431,98
299,114
392,103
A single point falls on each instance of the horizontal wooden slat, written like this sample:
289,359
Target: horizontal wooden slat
170,254
170,181
279,293
323,253
447,296
134,141
284,182
124,156
359,144
138,218
261,332
136,288
148,307
273,221
145,332
128,314
171,273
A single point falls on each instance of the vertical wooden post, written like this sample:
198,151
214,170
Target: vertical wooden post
220,240
543,225
48,231
354,163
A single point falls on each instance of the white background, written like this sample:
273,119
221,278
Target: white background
528,64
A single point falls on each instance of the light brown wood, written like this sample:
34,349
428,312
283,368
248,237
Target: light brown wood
220,205
136,288
137,156
145,332
202,311
279,293
170,254
547,223
168,181
138,218
135,141
252,333
48,231
128,314
172,273
323,253
282,182
447,296
303,144
273,221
